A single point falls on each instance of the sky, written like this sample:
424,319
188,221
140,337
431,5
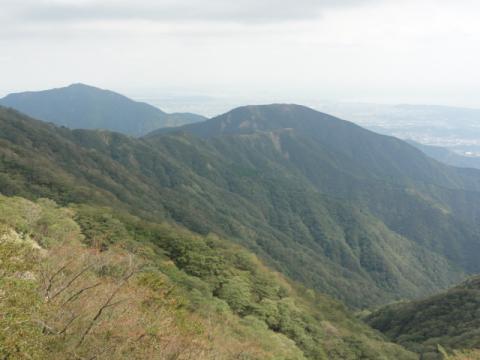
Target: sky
377,51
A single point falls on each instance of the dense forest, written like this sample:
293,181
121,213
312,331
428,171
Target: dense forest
449,319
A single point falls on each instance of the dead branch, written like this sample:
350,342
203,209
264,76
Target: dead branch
69,283
52,278
70,322
78,293
108,303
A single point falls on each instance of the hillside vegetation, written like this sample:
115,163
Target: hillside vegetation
365,218
85,282
450,319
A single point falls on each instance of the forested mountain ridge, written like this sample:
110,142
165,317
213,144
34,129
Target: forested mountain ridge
299,193
385,174
450,319
80,106
385,157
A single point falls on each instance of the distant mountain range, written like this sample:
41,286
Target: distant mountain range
80,106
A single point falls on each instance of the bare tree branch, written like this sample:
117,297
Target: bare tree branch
106,305
53,276
70,322
67,285
79,292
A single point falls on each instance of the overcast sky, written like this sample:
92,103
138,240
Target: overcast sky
385,51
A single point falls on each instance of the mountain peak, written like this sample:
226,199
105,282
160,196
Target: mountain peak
83,106
265,118
276,106
269,108
81,86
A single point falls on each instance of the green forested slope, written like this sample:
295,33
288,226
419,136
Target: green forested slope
365,218
412,194
89,282
80,106
450,319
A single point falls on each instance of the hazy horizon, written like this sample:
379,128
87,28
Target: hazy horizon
369,51
210,105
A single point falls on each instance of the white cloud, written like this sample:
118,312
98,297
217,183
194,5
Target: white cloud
393,51
243,11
